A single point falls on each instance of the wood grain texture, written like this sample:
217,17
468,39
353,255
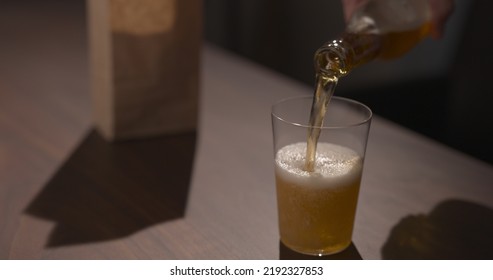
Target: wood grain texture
44,109
65,193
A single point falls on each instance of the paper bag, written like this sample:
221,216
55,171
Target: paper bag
144,66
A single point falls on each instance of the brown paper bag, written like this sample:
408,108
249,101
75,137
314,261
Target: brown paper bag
144,57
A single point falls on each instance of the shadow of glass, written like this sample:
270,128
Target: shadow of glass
454,230
106,191
351,253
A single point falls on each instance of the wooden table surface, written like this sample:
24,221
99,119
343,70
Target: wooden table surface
65,193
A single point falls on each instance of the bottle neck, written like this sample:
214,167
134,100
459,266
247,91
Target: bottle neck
338,57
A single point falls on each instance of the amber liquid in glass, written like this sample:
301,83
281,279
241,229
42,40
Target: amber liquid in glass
317,209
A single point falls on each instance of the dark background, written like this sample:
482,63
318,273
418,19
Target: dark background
440,89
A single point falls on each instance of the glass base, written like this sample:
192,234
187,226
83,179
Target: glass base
330,250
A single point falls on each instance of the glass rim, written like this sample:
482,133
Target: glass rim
348,100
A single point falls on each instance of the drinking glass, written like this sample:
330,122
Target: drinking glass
316,209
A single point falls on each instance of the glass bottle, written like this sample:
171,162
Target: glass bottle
383,29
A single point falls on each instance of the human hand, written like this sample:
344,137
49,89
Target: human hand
440,12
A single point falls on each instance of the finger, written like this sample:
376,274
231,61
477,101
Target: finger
349,6
440,12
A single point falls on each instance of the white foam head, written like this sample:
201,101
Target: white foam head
334,165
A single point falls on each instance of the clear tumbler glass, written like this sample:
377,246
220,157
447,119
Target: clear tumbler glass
317,208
